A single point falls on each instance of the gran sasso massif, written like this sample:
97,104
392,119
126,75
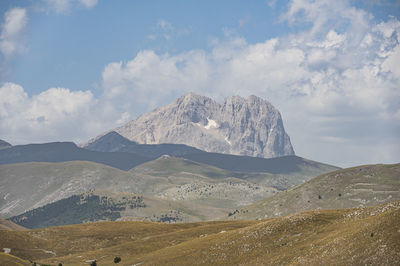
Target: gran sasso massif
239,126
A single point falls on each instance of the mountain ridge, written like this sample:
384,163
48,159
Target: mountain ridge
115,142
4,144
239,126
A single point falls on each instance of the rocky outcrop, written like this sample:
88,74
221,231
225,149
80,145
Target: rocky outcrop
240,126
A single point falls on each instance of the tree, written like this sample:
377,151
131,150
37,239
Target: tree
94,263
117,259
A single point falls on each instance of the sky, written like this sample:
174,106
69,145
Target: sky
72,69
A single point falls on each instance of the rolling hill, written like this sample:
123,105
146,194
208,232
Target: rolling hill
366,185
68,151
355,236
30,185
107,206
8,225
212,189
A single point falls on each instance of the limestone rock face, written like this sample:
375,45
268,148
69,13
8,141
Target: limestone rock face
239,126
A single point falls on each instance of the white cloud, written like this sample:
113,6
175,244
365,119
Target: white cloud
336,83
165,25
89,3
164,30
64,6
59,6
53,115
15,21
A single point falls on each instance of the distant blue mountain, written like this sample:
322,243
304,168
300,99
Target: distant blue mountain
68,151
4,144
113,142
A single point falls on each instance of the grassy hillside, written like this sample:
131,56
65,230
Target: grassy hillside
31,185
78,209
8,225
358,186
347,237
27,186
10,260
107,206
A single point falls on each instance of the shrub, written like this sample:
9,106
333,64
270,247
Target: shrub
117,259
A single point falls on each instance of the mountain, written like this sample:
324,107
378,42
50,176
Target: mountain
367,185
359,236
4,144
240,126
68,151
114,142
285,165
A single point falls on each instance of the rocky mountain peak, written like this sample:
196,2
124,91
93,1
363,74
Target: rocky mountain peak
243,126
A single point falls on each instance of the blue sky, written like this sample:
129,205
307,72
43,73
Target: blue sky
72,48
71,69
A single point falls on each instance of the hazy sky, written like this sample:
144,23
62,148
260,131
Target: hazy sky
71,69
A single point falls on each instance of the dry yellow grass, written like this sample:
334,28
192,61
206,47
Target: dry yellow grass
344,237
8,225
10,260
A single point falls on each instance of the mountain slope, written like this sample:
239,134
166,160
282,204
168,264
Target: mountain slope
10,260
114,142
358,186
240,126
4,144
286,165
8,225
325,237
68,151
108,206
27,186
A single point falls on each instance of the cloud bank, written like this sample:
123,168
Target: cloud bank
337,85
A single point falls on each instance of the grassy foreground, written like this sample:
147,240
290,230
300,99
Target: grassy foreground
355,236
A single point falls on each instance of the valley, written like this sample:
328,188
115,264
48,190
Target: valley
367,235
